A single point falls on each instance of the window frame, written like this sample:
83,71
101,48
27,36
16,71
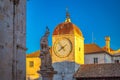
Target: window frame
95,60
31,63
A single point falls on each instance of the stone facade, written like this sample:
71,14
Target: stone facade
12,39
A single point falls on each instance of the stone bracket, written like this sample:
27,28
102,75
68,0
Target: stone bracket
15,2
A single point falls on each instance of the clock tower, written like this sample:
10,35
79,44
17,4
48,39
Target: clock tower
67,49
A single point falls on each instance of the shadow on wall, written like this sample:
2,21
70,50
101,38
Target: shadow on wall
65,70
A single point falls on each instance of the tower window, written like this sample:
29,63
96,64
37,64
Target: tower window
95,60
31,64
79,48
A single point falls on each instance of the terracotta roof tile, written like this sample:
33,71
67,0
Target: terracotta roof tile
66,28
34,54
98,70
92,48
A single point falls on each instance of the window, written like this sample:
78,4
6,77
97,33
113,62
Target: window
116,61
79,48
95,60
31,64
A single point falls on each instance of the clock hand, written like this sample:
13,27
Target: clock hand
65,45
62,47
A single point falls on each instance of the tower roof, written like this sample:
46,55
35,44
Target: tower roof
67,28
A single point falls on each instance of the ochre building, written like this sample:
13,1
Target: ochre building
32,65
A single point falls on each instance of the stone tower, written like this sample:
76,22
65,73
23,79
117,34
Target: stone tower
67,49
107,40
12,39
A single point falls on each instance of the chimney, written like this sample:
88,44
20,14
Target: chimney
107,40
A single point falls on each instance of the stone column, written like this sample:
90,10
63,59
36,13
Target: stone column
47,75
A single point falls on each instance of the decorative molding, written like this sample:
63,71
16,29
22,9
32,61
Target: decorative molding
21,47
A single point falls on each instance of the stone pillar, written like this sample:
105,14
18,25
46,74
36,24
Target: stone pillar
47,75
12,39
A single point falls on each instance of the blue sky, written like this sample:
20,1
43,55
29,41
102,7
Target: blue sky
100,17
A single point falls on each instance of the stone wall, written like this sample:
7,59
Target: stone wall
12,39
102,58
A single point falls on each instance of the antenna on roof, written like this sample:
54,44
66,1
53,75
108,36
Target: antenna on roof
93,38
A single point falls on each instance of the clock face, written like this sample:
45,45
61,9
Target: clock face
62,47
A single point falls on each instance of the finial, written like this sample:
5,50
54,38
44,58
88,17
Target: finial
67,13
67,16
47,30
